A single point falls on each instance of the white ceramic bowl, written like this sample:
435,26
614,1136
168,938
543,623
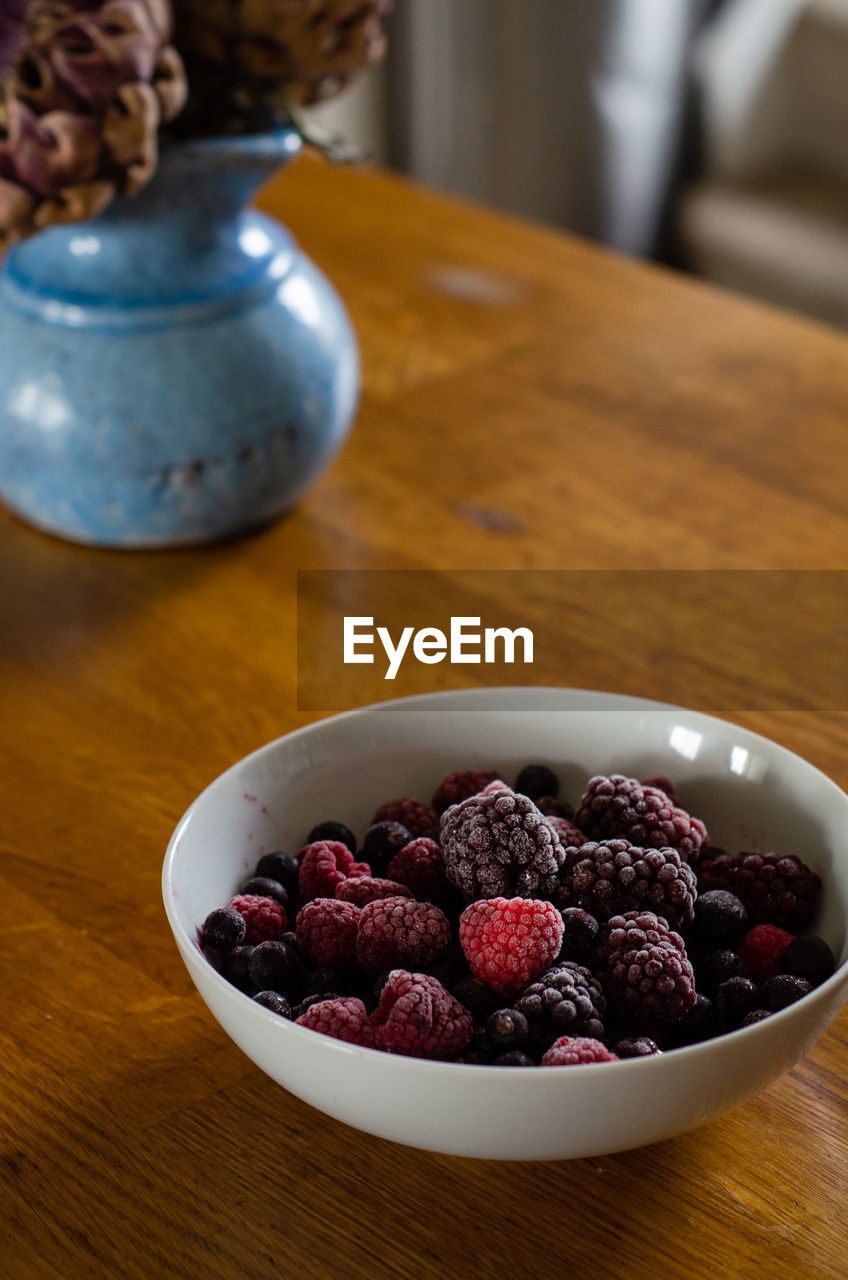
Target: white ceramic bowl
753,794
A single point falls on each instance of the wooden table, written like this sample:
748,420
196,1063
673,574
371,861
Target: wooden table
530,403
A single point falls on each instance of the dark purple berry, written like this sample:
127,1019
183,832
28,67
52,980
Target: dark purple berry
308,1001
580,933
477,998
513,1058
736,997
276,966
809,957
537,780
637,1047
333,831
236,969
275,1002
782,990
700,1023
263,887
507,1029
223,929
721,919
756,1015
281,867
717,966
381,843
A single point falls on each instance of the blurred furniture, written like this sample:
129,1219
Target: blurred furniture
530,402
769,216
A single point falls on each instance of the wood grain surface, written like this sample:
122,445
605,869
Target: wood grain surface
530,403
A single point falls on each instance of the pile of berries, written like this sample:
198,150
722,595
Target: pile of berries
500,925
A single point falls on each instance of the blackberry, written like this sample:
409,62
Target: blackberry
382,841
580,933
637,1047
478,999
611,877
755,1016
617,806
507,1029
333,831
281,867
275,1002
500,845
809,957
720,919
645,972
276,966
700,1023
537,780
236,969
782,990
717,966
223,929
565,1000
775,890
513,1058
736,997
263,887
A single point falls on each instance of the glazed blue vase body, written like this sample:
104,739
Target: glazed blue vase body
176,370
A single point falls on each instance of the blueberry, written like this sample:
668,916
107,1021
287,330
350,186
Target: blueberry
507,1029
236,968
782,990
265,888
637,1047
580,933
809,957
223,929
717,966
736,998
720,918
333,831
276,966
700,1023
281,867
513,1058
478,999
274,1001
536,780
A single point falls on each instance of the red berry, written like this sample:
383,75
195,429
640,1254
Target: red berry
326,932
571,1051
365,889
417,1017
508,941
419,866
344,1018
399,932
418,818
459,785
323,865
762,950
264,918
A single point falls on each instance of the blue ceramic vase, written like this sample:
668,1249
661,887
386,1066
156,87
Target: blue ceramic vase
176,370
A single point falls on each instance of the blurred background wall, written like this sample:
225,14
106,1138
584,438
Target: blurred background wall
709,134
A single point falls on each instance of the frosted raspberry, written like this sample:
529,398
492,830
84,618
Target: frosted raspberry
762,950
499,844
418,818
507,942
417,1017
458,786
419,866
398,932
643,968
613,876
326,932
774,889
323,865
343,1018
617,806
572,1051
264,918
365,889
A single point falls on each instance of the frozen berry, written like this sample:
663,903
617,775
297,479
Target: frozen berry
344,1018
223,929
275,1002
809,957
566,1000
264,887
326,932
637,1047
700,1023
513,1058
418,818
755,1016
717,966
537,780
323,865
566,831
277,966
399,933
459,785
478,999
663,784
619,807
500,845
263,917
419,866
507,942
236,968
553,807
782,990
579,933
336,831
611,877
364,889
381,843
507,1029
720,918
644,970
775,890
281,867
417,1017
762,950
735,998
572,1051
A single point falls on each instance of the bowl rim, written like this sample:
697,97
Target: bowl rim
717,1045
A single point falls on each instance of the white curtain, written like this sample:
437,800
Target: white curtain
565,110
